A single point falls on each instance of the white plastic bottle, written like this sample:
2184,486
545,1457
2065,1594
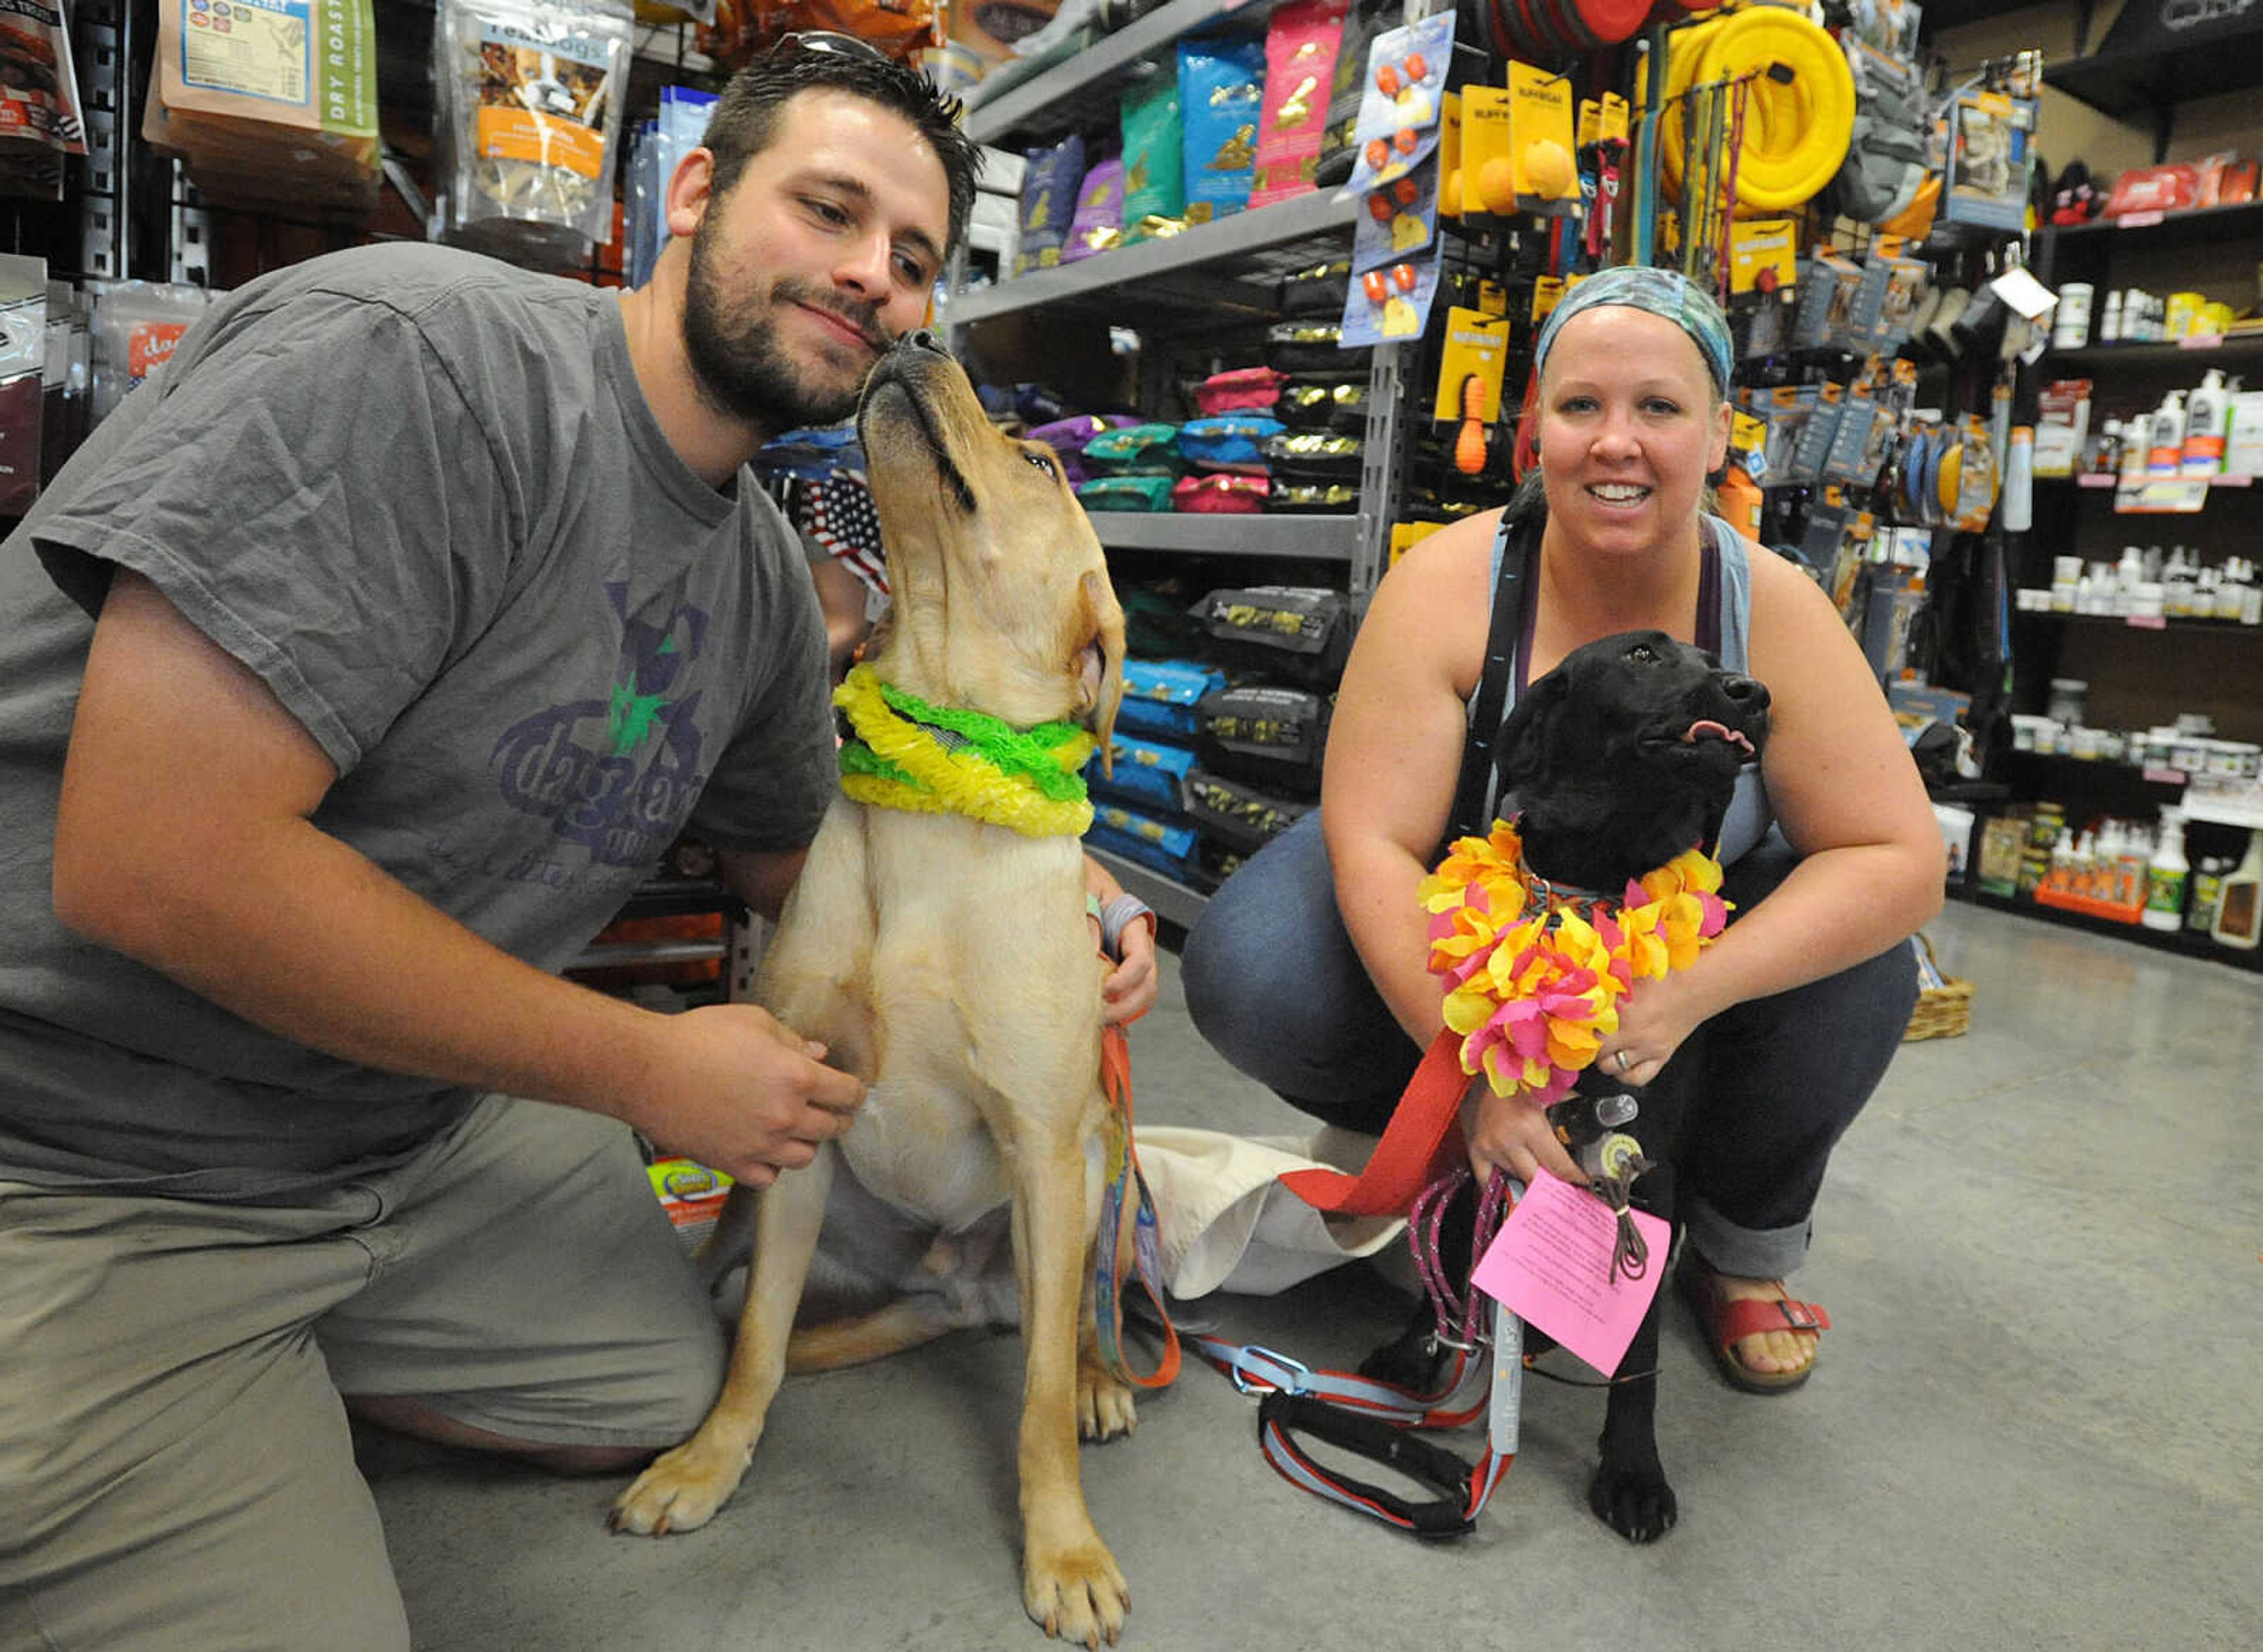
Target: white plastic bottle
2109,329
2207,415
2166,874
2239,902
2165,456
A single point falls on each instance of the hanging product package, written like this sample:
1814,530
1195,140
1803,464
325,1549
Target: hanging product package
275,112
39,120
137,326
530,116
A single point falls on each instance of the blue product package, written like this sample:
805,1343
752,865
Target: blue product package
1160,696
1148,775
1228,441
1154,844
1221,102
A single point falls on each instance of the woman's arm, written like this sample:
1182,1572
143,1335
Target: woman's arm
1847,794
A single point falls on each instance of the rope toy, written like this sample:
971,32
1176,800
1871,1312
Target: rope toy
906,754
1535,973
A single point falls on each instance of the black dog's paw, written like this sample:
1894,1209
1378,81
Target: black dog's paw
1635,1502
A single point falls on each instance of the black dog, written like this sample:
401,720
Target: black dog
1618,760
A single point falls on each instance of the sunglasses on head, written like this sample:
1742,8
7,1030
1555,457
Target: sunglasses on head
825,42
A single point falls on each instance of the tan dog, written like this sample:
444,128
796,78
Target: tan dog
949,963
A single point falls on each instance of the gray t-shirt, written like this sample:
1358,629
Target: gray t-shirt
421,495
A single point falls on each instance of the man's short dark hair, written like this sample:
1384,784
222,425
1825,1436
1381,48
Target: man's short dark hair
746,118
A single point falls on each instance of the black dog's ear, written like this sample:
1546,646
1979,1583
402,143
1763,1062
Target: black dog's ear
1521,750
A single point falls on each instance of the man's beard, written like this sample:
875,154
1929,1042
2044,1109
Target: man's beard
734,352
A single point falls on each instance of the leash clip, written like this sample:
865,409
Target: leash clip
1296,1371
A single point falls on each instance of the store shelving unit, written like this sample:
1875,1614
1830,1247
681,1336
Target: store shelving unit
1206,281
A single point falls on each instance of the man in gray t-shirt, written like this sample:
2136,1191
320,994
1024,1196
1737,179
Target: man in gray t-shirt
350,678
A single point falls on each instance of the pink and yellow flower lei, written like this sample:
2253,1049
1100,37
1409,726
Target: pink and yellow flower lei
1534,975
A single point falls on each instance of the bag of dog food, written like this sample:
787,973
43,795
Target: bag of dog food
1068,437
1239,390
1125,493
1287,632
1220,493
1221,96
1048,179
1135,450
1154,182
1162,846
1270,737
1238,817
1312,498
1300,65
1315,455
1149,775
1098,225
1317,290
1228,441
1312,346
1160,696
1323,401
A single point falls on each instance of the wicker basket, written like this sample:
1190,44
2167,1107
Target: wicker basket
1944,1011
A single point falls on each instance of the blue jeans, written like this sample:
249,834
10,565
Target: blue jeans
1273,982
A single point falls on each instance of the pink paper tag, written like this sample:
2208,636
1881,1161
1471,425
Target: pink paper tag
1550,1264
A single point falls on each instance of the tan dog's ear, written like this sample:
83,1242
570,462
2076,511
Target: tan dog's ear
1100,629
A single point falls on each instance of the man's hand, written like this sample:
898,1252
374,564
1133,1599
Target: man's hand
741,1093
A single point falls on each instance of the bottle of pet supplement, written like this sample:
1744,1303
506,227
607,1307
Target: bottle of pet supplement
2206,416
2207,891
2166,874
2239,908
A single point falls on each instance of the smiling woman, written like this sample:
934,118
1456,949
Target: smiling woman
1781,1029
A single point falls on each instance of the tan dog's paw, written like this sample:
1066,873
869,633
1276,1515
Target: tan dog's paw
1075,1591
1105,1408
682,1489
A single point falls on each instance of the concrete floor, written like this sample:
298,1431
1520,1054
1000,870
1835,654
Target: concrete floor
2037,1425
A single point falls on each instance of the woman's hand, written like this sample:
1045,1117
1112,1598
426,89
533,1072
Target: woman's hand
1129,992
1512,1134
1654,1018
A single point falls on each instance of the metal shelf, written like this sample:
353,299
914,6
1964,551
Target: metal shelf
1065,95
2132,85
1321,538
1174,901
1221,273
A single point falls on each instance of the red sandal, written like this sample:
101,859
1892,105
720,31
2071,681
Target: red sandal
1726,1322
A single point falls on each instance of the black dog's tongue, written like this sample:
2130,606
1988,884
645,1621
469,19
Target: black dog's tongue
1706,728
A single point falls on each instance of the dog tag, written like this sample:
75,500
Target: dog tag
1550,1264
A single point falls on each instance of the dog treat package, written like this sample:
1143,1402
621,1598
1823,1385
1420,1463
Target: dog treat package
1048,179
530,94
1317,290
1312,498
1228,441
1221,94
1300,65
1287,632
1160,696
1269,738
1323,401
1160,845
1220,493
1098,224
1135,450
1339,150
1239,390
1125,493
1068,437
1312,346
1238,817
1315,455
1154,180
1148,775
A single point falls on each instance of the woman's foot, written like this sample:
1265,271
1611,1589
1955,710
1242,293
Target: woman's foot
1762,1338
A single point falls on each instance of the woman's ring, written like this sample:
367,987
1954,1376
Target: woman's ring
1625,1061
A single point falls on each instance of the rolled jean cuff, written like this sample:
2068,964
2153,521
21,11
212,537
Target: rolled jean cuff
1743,1253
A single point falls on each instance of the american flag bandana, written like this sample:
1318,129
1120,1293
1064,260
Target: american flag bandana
836,510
